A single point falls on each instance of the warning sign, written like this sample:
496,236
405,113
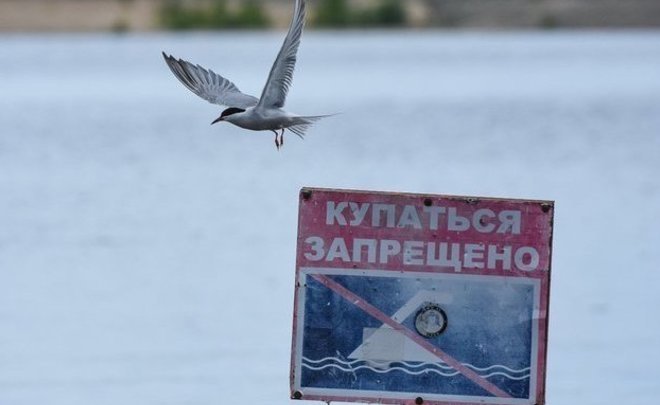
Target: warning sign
405,298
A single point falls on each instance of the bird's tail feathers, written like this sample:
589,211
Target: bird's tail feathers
304,123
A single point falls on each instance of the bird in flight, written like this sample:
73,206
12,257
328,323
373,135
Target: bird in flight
246,111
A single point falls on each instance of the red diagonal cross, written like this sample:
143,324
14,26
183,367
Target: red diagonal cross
382,317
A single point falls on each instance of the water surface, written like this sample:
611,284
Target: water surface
147,257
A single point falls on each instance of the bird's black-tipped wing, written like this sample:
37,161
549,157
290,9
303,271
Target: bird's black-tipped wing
209,85
281,74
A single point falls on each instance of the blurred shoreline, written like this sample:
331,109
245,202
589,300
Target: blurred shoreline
147,15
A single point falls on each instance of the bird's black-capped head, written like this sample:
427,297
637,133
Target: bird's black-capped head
229,111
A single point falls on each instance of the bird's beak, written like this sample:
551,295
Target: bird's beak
217,120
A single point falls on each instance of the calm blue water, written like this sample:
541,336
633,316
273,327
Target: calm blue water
147,257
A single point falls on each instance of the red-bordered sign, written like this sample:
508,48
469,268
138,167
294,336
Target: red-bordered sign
410,298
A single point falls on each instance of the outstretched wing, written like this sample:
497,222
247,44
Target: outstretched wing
281,74
209,85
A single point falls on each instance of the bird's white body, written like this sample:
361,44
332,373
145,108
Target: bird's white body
246,111
260,119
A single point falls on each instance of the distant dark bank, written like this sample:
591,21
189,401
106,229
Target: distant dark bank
151,15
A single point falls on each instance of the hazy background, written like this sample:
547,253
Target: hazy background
147,257
149,15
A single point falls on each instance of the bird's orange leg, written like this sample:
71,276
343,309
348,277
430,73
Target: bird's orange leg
277,143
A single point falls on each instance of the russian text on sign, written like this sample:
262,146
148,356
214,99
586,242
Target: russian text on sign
345,213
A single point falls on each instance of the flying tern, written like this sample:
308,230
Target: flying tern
246,111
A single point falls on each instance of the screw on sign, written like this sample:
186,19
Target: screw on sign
420,299
430,320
